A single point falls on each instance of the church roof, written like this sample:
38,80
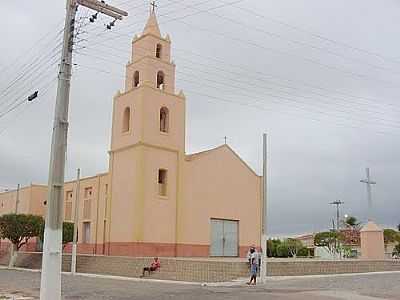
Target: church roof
193,156
152,26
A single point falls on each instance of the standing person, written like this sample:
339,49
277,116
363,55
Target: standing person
249,253
253,266
155,265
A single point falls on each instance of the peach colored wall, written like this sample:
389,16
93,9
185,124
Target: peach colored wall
159,211
126,205
217,184
148,68
145,46
38,199
31,200
372,245
153,101
97,205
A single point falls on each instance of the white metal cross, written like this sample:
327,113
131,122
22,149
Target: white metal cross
368,182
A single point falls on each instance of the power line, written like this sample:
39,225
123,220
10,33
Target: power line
37,73
249,105
36,43
22,101
42,94
317,35
346,104
31,68
359,76
252,97
264,75
297,42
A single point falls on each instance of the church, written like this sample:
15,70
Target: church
156,200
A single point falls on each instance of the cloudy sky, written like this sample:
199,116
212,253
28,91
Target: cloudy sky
322,78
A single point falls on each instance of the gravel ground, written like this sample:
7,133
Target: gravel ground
356,287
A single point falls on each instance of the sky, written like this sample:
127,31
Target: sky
321,78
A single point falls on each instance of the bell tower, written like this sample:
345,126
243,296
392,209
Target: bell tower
147,148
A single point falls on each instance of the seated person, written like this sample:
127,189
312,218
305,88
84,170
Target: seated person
155,265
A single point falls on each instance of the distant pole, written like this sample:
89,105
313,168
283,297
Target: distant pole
17,199
263,271
76,219
337,203
368,182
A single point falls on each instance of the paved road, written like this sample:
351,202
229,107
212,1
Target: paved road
360,287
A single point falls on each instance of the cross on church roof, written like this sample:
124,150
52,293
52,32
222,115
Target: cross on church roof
153,6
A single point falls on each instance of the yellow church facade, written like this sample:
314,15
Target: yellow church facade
156,200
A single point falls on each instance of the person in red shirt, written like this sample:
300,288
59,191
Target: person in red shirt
155,265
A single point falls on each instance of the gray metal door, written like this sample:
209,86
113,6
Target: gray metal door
224,238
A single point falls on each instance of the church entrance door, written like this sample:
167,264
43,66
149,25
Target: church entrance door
224,237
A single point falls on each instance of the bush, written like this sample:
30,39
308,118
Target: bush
282,250
303,252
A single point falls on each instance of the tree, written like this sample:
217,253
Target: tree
391,236
398,227
293,246
352,222
67,234
19,229
331,240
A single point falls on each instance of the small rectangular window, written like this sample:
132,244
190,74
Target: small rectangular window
68,196
68,211
88,192
162,182
86,209
86,232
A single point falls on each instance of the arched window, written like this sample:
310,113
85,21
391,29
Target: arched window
126,120
136,79
158,50
160,80
164,119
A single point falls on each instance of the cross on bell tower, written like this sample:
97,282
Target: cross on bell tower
153,6
368,182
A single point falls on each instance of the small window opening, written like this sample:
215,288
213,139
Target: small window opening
162,182
158,50
164,119
88,192
136,79
86,232
126,120
160,80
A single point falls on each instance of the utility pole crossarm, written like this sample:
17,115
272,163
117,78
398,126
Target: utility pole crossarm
103,8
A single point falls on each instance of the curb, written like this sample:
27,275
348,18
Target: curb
236,282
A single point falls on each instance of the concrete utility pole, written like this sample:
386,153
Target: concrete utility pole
337,203
76,223
17,199
263,271
50,288
368,182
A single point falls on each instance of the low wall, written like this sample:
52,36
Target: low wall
205,270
